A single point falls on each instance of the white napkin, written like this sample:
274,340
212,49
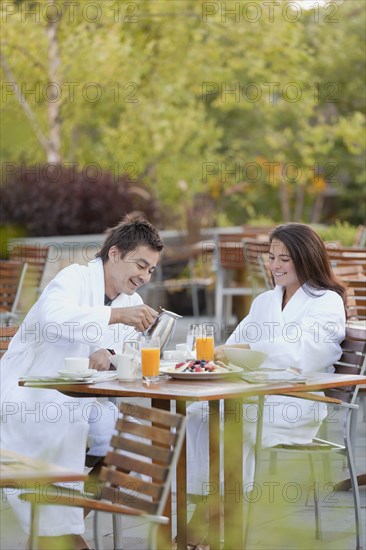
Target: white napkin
265,376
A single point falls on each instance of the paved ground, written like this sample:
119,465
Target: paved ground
282,519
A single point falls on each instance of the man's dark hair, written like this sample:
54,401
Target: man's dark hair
130,233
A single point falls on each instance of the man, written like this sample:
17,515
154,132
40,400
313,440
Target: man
84,311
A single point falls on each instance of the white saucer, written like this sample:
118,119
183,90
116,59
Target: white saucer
78,374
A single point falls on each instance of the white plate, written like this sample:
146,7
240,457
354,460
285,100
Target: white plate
78,374
200,375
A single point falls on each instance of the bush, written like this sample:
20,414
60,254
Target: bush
341,232
57,200
6,233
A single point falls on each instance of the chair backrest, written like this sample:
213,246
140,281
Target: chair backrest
352,361
36,258
33,254
356,300
257,232
154,437
6,334
352,271
12,274
256,258
346,256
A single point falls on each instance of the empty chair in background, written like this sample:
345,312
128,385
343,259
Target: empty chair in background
36,256
12,279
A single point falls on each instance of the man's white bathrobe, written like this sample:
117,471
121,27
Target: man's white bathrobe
307,335
69,319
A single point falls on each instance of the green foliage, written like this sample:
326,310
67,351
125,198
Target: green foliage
8,232
52,200
342,232
148,93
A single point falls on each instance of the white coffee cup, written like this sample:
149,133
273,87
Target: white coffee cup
76,364
126,365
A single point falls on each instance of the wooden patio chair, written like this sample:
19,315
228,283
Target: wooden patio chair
352,361
345,257
36,257
230,267
241,271
12,277
179,270
155,438
349,271
256,256
356,299
6,334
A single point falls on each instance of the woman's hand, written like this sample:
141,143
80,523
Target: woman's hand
220,351
100,360
220,354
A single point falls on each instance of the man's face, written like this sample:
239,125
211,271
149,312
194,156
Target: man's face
126,275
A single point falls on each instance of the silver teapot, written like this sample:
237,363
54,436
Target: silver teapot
164,327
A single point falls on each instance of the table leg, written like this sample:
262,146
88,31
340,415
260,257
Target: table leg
182,489
233,474
214,489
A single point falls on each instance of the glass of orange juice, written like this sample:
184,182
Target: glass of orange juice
205,345
150,358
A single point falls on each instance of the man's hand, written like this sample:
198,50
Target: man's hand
140,317
100,360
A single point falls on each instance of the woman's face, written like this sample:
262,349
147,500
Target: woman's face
282,266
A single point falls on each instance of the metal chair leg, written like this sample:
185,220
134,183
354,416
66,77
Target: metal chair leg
33,539
355,495
97,535
117,531
318,530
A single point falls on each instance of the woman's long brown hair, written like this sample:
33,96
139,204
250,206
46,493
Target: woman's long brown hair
308,252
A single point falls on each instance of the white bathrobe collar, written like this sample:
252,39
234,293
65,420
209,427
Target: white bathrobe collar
296,301
96,270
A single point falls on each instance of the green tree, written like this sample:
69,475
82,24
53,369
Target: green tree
259,108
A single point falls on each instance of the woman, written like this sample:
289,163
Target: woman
301,324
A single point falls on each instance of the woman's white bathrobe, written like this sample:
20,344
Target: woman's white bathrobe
69,319
306,335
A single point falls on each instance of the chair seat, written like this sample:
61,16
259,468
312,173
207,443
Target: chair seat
79,500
